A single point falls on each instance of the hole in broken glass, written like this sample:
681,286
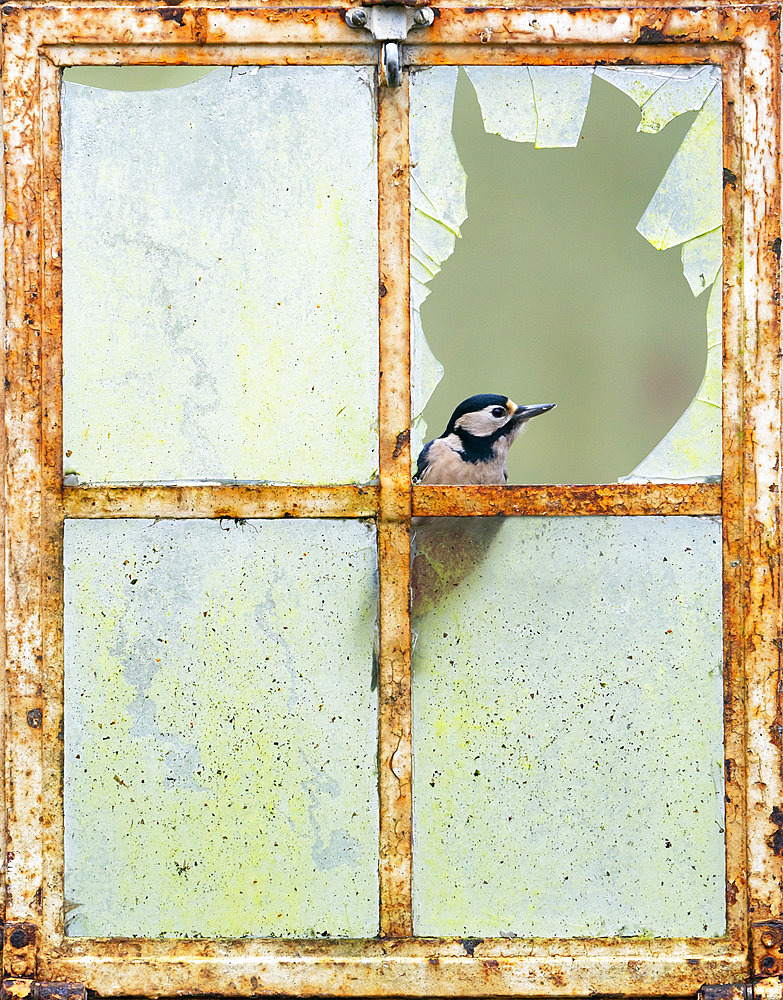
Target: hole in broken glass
135,77
552,294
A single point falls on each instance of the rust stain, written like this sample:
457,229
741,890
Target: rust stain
20,942
749,504
620,499
35,718
402,441
220,501
176,14
776,841
394,687
767,947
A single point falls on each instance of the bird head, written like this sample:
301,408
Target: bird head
491,416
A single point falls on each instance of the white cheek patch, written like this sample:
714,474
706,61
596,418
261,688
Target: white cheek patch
479,424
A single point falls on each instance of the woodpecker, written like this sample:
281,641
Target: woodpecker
474,446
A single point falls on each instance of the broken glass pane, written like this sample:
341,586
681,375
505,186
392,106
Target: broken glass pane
568,727
662,92
220,288
545,291
539,104
220,728
689,201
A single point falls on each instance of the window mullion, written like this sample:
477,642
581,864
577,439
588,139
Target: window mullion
394,515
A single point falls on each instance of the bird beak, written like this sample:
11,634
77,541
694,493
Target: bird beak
527,412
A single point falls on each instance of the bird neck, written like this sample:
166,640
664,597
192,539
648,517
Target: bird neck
478,449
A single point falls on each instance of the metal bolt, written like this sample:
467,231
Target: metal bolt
769,939
768,964
356,17
423,16
19,938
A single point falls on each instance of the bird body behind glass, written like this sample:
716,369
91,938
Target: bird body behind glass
474,447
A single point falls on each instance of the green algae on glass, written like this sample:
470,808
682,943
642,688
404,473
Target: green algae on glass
220,303
220,728
568,727
689,199
662,92
438,209
701,259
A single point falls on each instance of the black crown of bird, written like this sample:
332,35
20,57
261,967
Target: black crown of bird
474,447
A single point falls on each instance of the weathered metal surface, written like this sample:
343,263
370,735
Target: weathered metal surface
259,54
445,968
495,52
210,25
769,988
51,510
220,501
735,767
619,499
759,186
767,947
23,775
730,991
20,944
29,989
407,967
394,516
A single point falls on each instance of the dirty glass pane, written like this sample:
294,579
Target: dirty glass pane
220,728
565,222
568,736
220,278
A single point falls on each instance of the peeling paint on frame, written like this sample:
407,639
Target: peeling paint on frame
747,39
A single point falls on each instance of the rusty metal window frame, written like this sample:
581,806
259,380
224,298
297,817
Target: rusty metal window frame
40,40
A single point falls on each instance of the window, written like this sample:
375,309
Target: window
205,526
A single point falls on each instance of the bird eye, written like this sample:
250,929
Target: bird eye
498,411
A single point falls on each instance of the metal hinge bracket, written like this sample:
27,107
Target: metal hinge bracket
389,25
766,938
30,989
20,948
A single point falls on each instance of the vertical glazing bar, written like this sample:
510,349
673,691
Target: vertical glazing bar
24,704
735,770
761,447
394,515
52,507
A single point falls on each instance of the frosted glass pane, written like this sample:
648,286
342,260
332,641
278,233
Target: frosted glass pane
220,728
220,278
568,734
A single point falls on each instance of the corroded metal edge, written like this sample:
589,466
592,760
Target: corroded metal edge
760,448
53,832
643,973
734,694
30,989
394,686
186,25
620,499
289,5
767,948
24,703
220,501
629,972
